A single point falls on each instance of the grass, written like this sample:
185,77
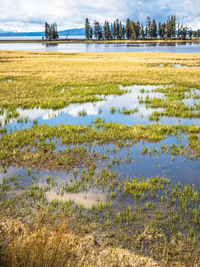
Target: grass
38,78
52,243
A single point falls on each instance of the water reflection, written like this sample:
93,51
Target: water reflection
86,199
50,45
193,47
110,109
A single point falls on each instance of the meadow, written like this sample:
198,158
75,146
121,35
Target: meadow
115,184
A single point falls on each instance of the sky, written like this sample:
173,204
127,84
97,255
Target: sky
30,15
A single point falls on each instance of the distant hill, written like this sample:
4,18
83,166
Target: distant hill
70,32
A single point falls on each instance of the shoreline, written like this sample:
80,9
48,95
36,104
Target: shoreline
98,41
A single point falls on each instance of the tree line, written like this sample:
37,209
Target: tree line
135,30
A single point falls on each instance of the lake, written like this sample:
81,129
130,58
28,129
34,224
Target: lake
105,47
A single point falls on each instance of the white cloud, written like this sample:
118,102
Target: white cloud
24,15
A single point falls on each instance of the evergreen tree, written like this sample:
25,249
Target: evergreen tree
120,31
142,32
148,27
190,33
54,31
50,31
173,22
123,32
114,30
196,34
183,33
117,28
46,30
97,30
146,32
133,30
137,29
160,29
107,33
168,29
91,33
154,29
163,30
178,30
104,30
87,29
128,29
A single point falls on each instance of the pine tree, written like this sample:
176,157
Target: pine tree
142,32
104,30
190,33
123,32
51,32
198,33
160,29
91,33
133,30
128,29
154,29
107,33
54,31
46,30
146,32
120,31
179,30
137,29
164,30
168,29
87,28
117,28
148,27
173,21
183,33
97,30
114,30
111,31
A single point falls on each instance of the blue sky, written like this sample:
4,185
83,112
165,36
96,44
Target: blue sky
30,15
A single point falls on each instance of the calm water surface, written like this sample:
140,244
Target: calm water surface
103,47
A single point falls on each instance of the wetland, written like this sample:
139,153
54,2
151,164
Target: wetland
99,152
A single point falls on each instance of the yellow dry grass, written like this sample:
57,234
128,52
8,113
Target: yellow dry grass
48,245
38,77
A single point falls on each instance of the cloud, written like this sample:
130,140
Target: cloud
24,15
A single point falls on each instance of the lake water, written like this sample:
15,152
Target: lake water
105,47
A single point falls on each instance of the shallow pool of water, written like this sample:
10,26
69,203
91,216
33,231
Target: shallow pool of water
112,109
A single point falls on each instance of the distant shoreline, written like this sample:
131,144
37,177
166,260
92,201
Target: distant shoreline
98,41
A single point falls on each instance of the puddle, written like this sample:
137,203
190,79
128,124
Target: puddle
160,65
192,98
179,66
86,199
123,109
126,161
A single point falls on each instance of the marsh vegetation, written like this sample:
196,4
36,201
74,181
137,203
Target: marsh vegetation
99,153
